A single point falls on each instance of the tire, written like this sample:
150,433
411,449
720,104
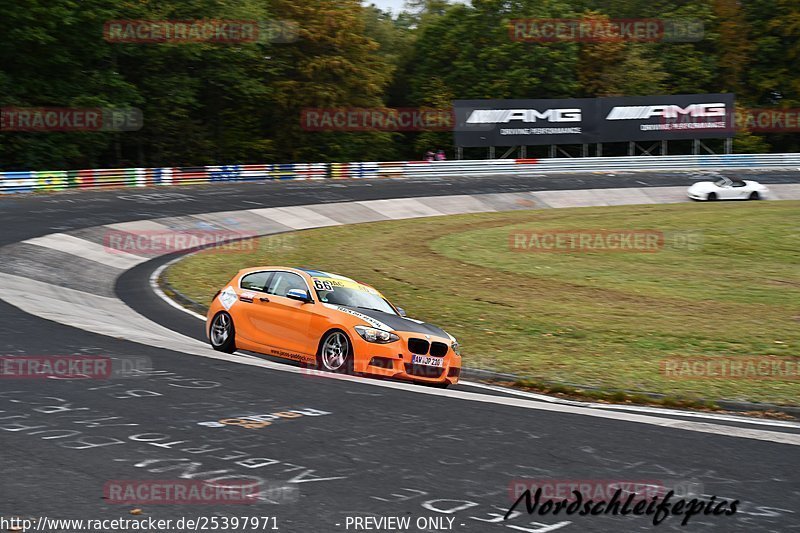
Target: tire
335,353
222,334
754,196
711,196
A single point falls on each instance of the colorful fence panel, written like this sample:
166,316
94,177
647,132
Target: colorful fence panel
18,182
32,181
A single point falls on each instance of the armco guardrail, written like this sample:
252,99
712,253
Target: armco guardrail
11,182
589,164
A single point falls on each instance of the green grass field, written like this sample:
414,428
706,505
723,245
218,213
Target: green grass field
726,283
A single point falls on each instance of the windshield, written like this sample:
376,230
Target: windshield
721,182
351,295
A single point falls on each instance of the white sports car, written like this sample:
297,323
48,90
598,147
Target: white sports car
727,189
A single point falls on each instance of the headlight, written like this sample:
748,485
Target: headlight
455,347
376,335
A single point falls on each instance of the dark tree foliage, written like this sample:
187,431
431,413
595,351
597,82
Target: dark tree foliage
241,102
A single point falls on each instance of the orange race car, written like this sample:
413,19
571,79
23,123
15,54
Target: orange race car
331,322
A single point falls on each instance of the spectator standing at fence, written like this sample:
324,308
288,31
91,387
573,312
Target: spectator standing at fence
429,155
440,155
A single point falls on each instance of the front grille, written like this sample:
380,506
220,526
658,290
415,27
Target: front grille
424,371
438,349
418,346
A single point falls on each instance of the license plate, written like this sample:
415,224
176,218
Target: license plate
428,361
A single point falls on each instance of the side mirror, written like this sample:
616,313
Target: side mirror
300,295
401,311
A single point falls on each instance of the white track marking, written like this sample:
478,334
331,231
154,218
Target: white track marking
111,317
138,226
525,394
635,408
401,208
624,196
92,251
572,198
156,289
299,217
457,205
532,395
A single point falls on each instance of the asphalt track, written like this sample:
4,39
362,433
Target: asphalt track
381,450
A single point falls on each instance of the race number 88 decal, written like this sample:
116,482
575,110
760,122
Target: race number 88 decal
323,285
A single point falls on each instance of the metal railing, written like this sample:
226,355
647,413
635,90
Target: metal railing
31,181
527,167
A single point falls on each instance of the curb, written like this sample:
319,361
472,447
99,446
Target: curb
727,405
508,380
179,297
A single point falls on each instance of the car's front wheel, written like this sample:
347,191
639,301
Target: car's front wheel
222,334
711,196
335,353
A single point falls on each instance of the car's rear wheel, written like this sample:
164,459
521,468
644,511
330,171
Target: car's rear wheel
335,353
222,334
755,196
711,196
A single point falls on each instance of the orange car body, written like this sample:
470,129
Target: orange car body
267,321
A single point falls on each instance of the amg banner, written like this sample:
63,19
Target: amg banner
666,118
593,120
524,122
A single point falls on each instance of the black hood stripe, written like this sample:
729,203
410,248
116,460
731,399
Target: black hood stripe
398,323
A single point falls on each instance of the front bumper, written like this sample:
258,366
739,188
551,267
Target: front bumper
395,360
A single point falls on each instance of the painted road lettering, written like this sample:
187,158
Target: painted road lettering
264,420
33,416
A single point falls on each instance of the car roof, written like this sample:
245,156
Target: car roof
312,272
322,274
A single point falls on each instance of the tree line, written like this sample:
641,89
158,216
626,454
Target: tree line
240,101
